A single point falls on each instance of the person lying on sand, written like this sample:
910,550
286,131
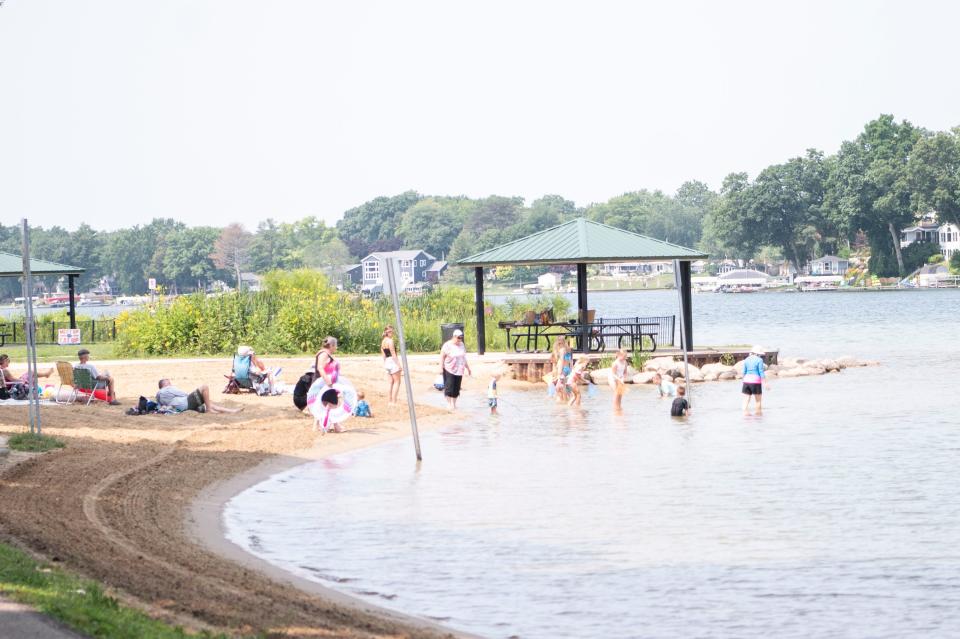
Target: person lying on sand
198,400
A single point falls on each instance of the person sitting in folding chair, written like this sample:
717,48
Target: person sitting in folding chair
244,377
105,377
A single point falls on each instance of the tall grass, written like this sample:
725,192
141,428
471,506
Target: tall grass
297,309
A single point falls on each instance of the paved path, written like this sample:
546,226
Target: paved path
22,622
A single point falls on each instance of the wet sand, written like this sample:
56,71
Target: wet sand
136,501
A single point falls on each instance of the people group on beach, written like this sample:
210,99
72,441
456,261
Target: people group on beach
566,382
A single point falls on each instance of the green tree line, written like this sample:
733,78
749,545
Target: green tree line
885,179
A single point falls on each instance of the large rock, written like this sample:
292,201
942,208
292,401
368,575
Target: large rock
715,368
830,364
815,368
659,364
712,376
791,362
799,371
849,362
738,369
600,376
727,375
643,378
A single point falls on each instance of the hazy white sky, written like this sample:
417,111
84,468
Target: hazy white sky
213,111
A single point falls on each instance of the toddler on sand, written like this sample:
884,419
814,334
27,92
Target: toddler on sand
363,408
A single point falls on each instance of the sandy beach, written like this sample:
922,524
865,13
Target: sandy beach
135,501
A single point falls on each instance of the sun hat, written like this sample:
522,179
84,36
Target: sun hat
244,350
757,350
458,333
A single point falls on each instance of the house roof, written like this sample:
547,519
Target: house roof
744,274
439,265
830,258
581,241
12,266
397,255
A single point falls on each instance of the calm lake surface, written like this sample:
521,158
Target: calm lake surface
836,514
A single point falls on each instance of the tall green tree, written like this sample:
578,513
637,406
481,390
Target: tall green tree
871,189
433,223
934,174
373,225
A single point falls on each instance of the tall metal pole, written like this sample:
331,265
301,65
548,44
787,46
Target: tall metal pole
392,283
30,329
684,344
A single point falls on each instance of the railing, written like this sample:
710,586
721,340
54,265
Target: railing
606,334
91,331
664,327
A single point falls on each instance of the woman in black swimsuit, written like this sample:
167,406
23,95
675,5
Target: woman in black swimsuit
391,364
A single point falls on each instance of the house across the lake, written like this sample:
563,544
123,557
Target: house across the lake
412,267
829,265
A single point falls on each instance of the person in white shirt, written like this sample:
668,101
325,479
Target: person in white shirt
84,356
198,400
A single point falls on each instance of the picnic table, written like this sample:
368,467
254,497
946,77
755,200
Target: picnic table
625,333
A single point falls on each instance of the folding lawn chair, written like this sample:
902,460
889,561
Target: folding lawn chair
65,371
84,382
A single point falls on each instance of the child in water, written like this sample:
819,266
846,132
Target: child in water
362,408
680,406
573,382
666,389
618,374
492,393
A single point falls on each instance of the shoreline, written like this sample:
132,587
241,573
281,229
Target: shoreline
205,525
135,502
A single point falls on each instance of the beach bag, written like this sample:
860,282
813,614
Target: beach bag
20,391
4,393
300,390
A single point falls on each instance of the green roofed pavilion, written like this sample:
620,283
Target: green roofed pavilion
12,266
581,242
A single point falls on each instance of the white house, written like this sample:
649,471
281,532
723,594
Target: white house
949,239
925,231
829,265
742,280
412,267
550,281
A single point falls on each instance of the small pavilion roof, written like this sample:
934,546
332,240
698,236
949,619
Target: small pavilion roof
12,266
581,241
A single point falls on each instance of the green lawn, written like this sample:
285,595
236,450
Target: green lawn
79,603
52,352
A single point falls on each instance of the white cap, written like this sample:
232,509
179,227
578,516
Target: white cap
244,350
757,350
458,333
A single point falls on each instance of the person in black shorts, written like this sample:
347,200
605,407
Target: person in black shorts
198,400
680,406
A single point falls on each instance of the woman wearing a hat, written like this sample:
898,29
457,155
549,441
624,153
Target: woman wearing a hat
453,362
753,378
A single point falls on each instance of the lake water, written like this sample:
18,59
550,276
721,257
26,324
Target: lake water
835,514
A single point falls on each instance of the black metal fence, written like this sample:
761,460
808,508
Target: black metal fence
662,328
91,331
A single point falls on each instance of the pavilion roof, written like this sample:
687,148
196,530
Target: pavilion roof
12,266
581,241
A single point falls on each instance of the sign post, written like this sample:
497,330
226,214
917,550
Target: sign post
392,282
683,327
31,331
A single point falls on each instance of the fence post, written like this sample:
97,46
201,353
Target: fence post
114,324
53,332
93,331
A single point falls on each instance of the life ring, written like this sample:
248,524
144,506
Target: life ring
331,404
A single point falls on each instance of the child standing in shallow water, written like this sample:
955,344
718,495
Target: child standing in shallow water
618,374
573,382
492,393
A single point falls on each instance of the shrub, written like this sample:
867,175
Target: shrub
298,309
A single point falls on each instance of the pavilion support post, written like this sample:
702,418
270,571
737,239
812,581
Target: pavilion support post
71,279
686,298
582,307
481,317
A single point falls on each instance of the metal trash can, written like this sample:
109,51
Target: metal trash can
446,331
